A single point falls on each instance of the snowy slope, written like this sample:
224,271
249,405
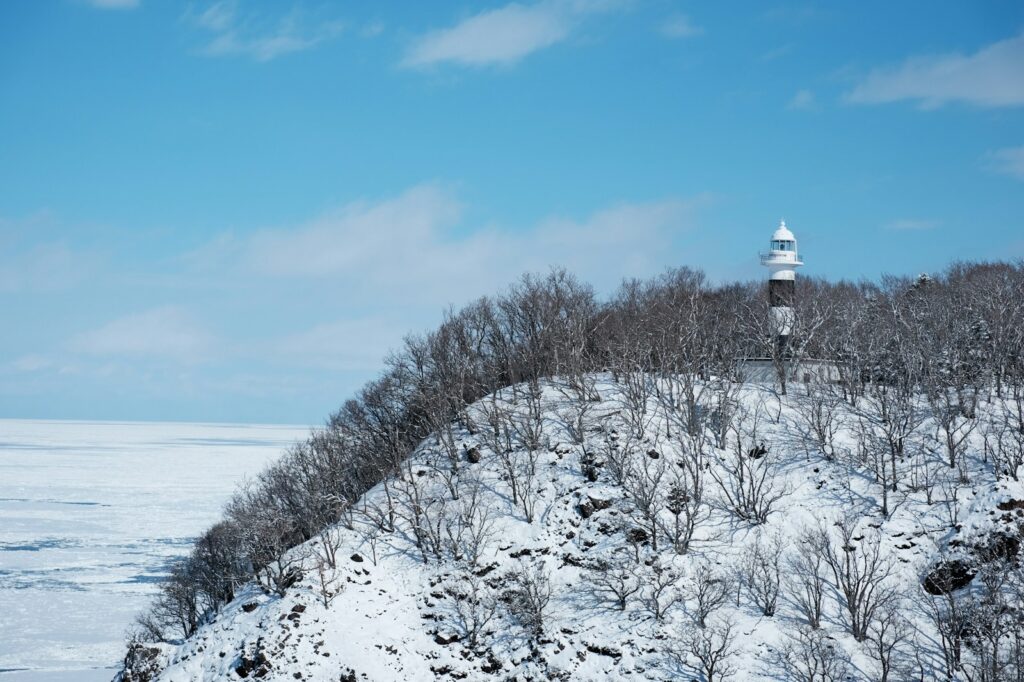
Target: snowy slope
395,617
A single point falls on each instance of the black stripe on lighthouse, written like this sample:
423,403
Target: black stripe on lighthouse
780,293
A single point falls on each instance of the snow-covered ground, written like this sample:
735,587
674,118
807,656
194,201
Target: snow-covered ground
394,617
90,514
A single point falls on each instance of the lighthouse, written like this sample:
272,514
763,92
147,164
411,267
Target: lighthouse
782,260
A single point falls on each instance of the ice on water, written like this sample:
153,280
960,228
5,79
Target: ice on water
90,515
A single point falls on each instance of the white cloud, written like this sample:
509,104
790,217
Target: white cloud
416,249
256,37
803,99
680,26
360,234
343,345
501,36
991,77
114,4
165,332
912,225
43,267
1009,161
32,362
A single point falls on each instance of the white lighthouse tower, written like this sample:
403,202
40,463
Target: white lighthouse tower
782,260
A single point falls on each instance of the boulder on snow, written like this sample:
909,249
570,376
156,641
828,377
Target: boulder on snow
1010,505
142,663
357,557
473,455
949,576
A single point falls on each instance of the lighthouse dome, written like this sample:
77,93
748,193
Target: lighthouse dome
783,233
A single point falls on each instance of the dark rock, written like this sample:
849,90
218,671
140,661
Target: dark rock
1000,546
357,558
757,452
637,536
473,455
480,573
249,607
446,639
141,663
257,666
1010,505
948,576
604,651
653,454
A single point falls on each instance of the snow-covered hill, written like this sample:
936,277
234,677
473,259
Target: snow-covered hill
562,553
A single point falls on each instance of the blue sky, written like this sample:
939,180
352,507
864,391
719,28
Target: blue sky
229,211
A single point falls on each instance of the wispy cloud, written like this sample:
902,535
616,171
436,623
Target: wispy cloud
30,262
416,247
680,26
259,37
1009,161
114,4
502,36
342,345
166,332
803,100
991,77
911,225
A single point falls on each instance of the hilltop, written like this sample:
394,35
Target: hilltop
630,526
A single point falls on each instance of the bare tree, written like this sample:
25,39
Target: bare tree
761,568
862,573
475,606
886,637
684,501
470,529
819,413
709,590
328,584
644,487
810,655
529,596
805,581
711,648
615,580
746,479
660,589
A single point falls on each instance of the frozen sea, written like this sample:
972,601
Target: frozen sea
90,515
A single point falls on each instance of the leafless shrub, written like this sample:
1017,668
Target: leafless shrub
684,500
810,655
887,635
862,573
708,650
819,412
761,567
805,581
529,596
644,487
474,606
709,590
614,580
660,589
328,584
